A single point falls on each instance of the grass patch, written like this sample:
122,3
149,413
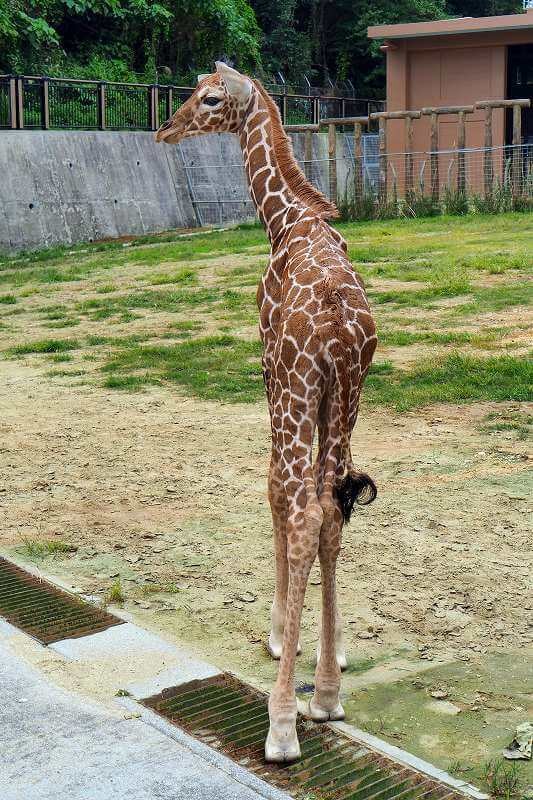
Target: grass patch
457,378
172,301
382,367
45,346
115,593
213,368
31,548
65,373
70,322
186,325
107,288
130,383
496,298
185,276
150,299
8,299
499,263
94,340
398,338
503,779
477,300
509,422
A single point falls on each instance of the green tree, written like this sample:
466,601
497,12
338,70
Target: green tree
113,39
483,8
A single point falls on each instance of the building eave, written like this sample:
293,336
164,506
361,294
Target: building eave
450,27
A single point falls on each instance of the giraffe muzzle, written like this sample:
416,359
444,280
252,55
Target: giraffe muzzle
169,132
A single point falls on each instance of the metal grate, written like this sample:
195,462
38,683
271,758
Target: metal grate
232,717
44,611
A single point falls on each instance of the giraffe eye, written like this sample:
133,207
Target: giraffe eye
211,101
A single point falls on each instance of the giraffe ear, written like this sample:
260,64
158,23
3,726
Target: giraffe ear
237,85
204,75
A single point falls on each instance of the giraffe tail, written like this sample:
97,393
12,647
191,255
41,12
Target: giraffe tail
355,487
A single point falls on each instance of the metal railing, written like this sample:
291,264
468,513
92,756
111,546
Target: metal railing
31,101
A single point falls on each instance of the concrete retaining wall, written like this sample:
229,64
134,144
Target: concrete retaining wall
63,187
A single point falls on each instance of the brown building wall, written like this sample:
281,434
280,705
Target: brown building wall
456,69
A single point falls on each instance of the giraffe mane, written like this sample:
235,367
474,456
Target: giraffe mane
297,182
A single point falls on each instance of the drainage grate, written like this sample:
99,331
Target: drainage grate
44,611
232,717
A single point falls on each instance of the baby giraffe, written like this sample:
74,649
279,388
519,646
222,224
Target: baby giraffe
318,339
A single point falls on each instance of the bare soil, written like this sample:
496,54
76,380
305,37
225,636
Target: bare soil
160,488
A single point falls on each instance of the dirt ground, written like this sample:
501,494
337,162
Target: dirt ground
160,489
163,495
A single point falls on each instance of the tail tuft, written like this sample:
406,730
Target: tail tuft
355,487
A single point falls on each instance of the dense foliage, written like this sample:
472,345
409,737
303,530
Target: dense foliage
174,39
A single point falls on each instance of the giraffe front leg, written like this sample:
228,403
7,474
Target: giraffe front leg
302,545
325,703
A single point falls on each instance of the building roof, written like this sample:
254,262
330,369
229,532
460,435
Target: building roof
448,27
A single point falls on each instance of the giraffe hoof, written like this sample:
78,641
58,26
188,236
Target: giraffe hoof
275,648
282,753
319,714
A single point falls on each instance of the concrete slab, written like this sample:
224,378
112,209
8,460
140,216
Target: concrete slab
172,665
58,744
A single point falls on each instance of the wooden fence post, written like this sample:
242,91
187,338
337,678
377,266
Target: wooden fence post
101,106
153,107
409,116
488,165
433,114
382,117
358,160
461,144
308,153
332,161
45,104
517,141
359,183
488,172
382,159
308,131
12,102
409,138
518,105
20,102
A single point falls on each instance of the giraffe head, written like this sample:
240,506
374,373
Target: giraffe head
218,105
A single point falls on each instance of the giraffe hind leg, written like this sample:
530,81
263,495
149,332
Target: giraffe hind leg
331,658
278,505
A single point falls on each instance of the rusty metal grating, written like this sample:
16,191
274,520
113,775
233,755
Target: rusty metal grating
44,611
232,717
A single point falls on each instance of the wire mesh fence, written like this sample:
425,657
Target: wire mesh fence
455,181
64,103
374,185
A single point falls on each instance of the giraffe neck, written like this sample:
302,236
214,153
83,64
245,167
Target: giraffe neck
270,193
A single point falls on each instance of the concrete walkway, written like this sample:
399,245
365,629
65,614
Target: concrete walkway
57,744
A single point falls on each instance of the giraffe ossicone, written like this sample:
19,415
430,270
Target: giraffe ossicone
318,341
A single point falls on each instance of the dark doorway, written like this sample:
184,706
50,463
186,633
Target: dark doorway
520,86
